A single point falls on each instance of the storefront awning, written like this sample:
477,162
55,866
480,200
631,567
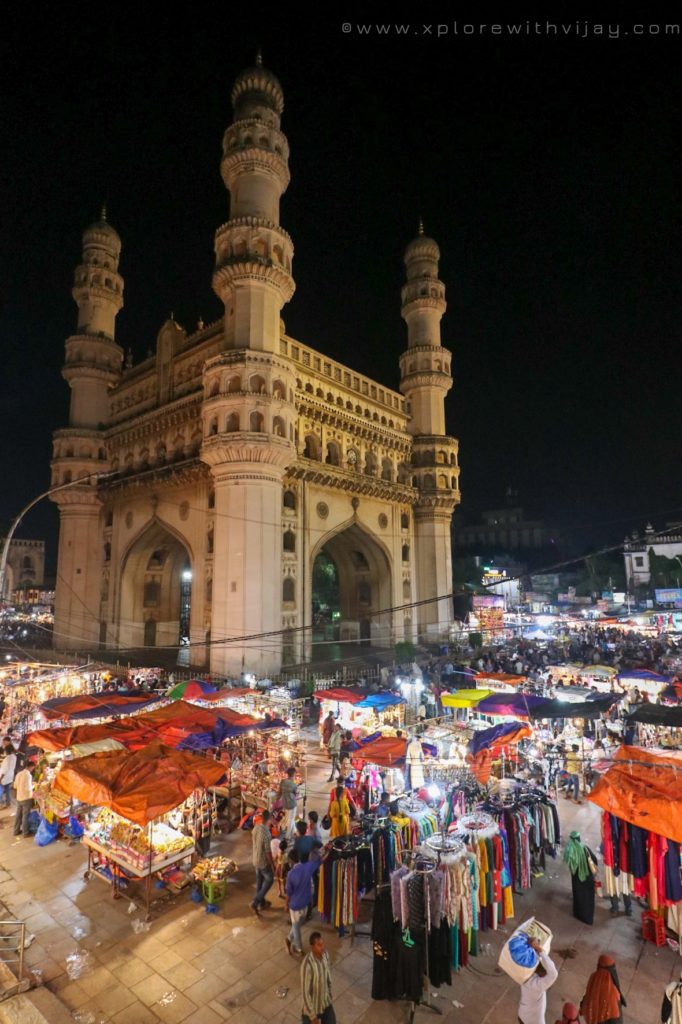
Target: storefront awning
657,714
464,698
342,694
502,677
590,709
380,701
641,675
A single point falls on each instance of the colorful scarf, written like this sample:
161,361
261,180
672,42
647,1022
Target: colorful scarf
575,856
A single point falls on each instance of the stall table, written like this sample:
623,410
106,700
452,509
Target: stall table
153,866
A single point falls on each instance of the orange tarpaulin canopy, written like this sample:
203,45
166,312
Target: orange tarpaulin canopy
502,677
386,751
140,786
169,724
644,788
89,702
60,739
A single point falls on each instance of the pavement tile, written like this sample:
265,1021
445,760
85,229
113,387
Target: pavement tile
136,1013
132,971
174,1010
151,989
95,980
205,1015
114,999
210,986
189,947
73,995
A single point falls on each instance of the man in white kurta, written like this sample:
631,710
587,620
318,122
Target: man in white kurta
533,1005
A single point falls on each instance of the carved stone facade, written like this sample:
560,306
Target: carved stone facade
236,454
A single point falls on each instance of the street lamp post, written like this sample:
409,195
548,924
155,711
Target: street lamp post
27,508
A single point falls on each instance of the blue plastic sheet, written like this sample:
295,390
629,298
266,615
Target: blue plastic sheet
521,953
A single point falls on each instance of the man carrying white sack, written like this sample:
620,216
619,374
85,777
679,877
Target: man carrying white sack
533,1003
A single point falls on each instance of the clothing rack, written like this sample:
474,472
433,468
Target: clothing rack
424,1002
350,845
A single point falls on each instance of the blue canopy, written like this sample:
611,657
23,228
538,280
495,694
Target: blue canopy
644,674
380,701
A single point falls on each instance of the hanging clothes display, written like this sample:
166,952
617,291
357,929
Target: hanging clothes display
397,968
337,894
416,820
387,846
488,844
640,863
418,940
529,822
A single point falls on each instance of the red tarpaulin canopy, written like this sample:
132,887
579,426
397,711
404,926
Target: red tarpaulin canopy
340,693
67,706
647,793
140,786
214,698
386,751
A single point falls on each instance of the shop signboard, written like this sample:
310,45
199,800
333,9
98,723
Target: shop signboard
673,595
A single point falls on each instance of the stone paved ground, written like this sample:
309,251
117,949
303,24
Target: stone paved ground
199,968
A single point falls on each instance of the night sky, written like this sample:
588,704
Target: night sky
546,168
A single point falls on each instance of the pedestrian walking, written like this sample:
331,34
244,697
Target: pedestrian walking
533,1004
603,1000
339,813
299,895
8,768
23,783
262,862
582,864
316,984
288,794
326,729
334,748
573,772
671,1008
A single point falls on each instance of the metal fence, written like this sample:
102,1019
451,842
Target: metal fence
12,941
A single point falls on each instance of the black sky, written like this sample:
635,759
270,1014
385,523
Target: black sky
546,168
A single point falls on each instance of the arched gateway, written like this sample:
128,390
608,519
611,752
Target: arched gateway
351,588
155,590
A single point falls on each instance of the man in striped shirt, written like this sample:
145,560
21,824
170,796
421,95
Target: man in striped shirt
316,984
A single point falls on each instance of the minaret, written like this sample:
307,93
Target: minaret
93,359
253,253
92,366
248,411
425,381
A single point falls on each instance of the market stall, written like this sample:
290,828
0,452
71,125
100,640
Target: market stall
360,712
641,797
644,680
128,840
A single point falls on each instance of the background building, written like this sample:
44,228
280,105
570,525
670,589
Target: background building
666,544
255,486
25,566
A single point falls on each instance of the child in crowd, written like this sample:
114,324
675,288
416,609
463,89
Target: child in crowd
282,866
